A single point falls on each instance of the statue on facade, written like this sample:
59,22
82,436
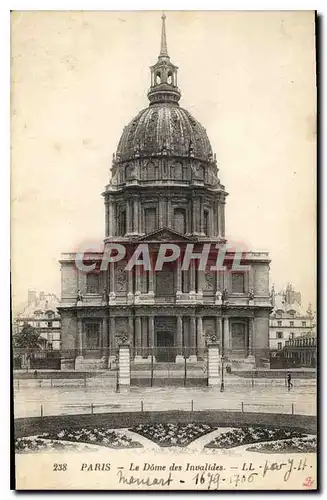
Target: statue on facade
224,295
272,295
79,297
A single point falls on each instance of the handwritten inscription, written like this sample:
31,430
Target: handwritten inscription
205,476
210,476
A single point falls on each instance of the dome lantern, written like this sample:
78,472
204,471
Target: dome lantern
164,74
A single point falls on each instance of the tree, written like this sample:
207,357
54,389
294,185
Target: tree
28,337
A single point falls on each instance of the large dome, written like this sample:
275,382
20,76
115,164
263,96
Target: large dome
164,126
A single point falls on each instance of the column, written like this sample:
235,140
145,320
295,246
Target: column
145,323
192,276
222,220
194,229
80,336
151,281
79,358
201,216
161,213
106,218
200,280
192,339
227,343
216,218
178,277
200,338
112,287
110,218
179,339
105,339
128,217
169,214
130,295
212,217
250,338
136,216
138,339
113,218
131,328
112,341
151,336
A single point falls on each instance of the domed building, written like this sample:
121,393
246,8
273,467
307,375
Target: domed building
165,188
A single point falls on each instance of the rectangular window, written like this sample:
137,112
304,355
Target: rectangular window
291,323
291,335
237,282
279,346
304,323
279,335
92,283
49,324
279,323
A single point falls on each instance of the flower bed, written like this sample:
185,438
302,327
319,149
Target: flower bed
173,434
36,443
295,445
101,436
250,435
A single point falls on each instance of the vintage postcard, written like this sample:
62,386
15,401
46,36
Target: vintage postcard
164,250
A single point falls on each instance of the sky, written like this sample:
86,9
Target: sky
77,78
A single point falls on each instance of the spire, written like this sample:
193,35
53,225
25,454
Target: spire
163,45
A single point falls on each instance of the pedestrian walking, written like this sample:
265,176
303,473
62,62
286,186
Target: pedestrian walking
289,381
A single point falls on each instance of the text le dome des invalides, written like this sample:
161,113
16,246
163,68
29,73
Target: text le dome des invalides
164,188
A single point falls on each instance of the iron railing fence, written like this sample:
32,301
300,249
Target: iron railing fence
142,405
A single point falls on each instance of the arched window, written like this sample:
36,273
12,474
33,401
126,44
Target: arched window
201,172
150,216
158,78
180,220
186,173
170,78
150,172
176,171
129,171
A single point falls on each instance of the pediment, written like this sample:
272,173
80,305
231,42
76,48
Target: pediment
166,234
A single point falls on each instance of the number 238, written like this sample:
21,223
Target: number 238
59,467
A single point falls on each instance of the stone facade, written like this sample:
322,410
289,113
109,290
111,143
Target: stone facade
164,187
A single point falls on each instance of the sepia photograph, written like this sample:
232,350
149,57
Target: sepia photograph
163,250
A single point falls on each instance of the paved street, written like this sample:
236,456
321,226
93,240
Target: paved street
266,396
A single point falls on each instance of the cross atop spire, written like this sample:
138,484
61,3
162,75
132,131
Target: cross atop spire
163,45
